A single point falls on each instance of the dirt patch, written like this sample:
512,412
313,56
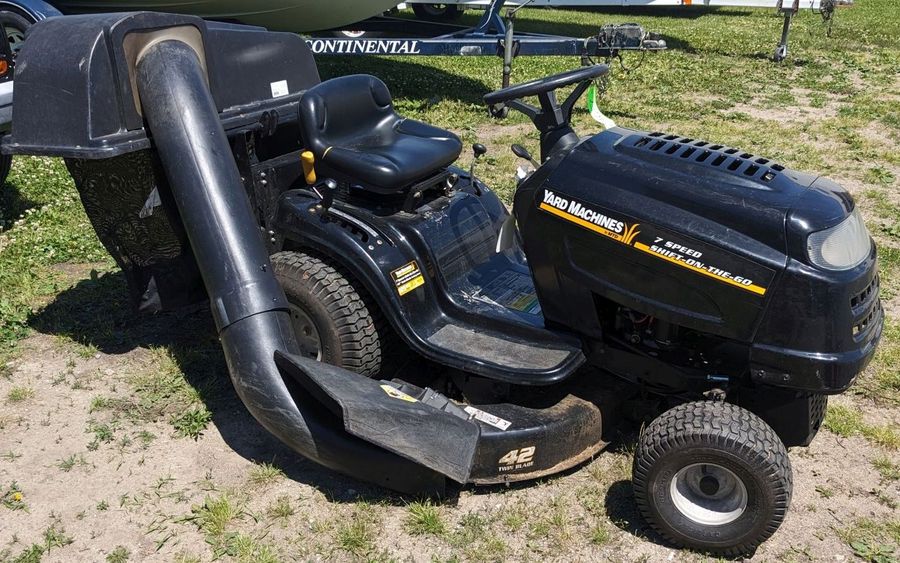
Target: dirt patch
493,131
154,494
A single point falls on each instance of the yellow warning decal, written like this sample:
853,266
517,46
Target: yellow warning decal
398,394
408,278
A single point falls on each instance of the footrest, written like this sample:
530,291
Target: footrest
503,352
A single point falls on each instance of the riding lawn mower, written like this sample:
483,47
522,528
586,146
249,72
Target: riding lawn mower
331,236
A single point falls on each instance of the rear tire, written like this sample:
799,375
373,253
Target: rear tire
437,12
713,477
327,307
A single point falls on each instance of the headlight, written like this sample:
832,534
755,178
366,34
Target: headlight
841,247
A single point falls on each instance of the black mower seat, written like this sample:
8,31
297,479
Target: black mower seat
350,125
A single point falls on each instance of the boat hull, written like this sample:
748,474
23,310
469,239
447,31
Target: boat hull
277,15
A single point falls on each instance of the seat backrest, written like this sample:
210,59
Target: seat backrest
335,111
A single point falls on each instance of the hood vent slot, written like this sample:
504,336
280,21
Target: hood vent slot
727,159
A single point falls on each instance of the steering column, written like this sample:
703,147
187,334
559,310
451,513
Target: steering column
552,118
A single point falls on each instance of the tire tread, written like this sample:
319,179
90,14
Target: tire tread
716,424
362,329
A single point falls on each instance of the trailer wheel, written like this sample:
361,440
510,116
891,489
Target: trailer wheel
334,321
712,476
437,12
16,26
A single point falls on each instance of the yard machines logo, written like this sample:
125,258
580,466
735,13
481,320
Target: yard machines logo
692,255
575,212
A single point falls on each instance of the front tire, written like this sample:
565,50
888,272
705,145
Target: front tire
334,321
713,477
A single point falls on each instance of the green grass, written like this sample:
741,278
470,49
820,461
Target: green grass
873,540
192,423
69,463
846,421
103,433
118,555
31,554
600,535
475,537
424,518
19,394
55,537
882,380
265,474
356,534
162,391
41,223
281,509
13,498
216,513
889,470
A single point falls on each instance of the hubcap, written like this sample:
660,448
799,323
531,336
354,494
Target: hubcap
16,38
708,494
307,333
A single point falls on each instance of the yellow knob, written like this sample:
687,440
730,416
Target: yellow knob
309,166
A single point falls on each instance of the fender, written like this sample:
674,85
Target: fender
36,10
399,267
354,244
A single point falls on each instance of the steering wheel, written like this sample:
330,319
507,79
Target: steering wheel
545,85
552,118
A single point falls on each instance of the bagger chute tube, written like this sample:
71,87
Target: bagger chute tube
332,237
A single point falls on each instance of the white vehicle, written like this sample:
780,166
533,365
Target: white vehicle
455,8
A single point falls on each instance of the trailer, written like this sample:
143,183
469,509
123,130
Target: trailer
453,9
493,35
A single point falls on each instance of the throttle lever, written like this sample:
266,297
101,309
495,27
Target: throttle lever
324,190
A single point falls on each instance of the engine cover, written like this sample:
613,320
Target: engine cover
706,237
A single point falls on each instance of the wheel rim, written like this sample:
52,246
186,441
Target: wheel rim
708,494
307,333
16,38
351,34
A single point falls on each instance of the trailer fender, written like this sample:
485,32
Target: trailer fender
34,10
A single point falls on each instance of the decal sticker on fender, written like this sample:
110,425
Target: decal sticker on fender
521,458
655,242
488,418
398,394
408,278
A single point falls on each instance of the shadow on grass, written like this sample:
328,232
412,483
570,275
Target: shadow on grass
408,80
12,204
97,312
